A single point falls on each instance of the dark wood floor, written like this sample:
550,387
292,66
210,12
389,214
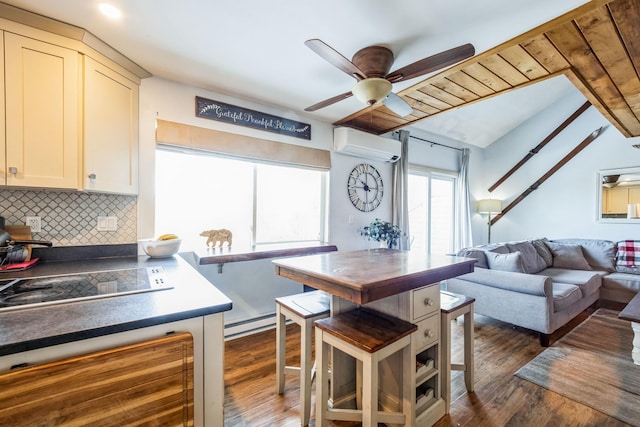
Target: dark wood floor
500,398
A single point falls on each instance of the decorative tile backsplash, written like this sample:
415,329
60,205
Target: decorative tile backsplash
70,218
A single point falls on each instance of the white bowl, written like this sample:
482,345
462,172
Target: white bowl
161,248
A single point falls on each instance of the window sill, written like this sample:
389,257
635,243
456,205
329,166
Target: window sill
225,254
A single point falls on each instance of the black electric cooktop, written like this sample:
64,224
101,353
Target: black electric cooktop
22,293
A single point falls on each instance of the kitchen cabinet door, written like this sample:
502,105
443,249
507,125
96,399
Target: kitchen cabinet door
634,194
110,130
3,158
617,199
42,94
151,382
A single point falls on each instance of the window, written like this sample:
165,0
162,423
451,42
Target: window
259,202
431,211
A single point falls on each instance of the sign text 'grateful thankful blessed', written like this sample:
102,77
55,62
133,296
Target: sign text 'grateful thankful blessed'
216,110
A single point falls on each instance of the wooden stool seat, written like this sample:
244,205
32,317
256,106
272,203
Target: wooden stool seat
369,337
303,309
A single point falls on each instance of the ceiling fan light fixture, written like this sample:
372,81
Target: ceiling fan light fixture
371,90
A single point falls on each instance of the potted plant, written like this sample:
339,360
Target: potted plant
382,231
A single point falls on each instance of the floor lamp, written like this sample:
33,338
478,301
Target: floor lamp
490,207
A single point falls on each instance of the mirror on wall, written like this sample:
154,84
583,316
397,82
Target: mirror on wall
619,195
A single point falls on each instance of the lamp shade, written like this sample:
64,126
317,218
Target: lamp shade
371,90
486,206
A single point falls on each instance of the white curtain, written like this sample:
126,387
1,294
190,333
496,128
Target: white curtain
462,221
400,204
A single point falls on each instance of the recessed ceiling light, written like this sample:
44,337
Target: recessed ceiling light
109,10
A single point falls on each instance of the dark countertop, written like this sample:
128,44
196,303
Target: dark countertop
632,311
191,296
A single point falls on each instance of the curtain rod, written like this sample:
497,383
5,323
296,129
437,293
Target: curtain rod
435,143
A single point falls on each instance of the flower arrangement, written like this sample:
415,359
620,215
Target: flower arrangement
382,231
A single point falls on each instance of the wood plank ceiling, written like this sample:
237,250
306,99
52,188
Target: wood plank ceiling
596,46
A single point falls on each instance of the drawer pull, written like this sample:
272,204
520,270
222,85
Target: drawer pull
428,333
428,301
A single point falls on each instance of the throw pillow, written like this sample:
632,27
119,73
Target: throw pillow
505,262
533,263
628,253
543,250
481,259
568,256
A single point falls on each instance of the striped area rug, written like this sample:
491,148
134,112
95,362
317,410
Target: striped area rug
592,365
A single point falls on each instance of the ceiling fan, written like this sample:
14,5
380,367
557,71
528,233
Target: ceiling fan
370,67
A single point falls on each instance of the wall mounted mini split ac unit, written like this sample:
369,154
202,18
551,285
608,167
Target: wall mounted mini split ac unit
361,144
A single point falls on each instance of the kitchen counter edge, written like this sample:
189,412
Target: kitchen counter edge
192,296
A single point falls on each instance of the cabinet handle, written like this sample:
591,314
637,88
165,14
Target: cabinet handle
428,333
13,170
92,176
428,301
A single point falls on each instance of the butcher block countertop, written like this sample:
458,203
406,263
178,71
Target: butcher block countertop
191,296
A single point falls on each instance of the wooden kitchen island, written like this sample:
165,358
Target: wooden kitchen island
404,284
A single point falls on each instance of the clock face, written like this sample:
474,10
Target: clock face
365,187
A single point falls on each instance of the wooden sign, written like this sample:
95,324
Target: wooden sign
216,110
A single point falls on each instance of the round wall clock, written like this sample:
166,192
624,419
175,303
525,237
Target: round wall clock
365,187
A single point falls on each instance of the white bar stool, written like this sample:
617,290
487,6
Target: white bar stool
453,306
303,309
369,337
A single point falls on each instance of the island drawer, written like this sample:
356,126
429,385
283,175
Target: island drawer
428,331
426,301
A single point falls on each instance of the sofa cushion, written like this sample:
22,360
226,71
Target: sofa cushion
628,270
565,295
622,282
533,262
478,254
543,250
505,262
568,256
600,254
587,281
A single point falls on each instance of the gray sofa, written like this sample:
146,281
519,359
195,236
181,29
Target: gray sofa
541,285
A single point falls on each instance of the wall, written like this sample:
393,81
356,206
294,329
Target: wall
565,204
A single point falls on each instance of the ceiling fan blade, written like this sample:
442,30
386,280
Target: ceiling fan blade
432,63
329,101
398,105
334,58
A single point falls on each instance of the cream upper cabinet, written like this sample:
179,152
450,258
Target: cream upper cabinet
617,199
110,130
42,93
3,159
634,194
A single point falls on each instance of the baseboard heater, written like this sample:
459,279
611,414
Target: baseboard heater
249,326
